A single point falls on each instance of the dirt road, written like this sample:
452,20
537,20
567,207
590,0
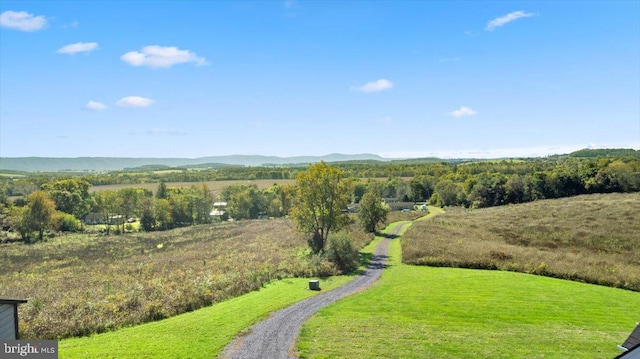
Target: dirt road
275,337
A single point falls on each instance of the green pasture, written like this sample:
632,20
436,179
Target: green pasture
424,312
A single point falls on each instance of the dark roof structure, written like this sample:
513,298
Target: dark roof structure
12,301
631,346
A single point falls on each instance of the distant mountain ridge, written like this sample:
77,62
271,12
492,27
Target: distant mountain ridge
53,164
39,164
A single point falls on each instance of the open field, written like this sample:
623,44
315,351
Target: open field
202,333
423,312
590,238
82,284
214,186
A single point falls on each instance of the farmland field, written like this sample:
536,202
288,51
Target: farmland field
82,284
590,238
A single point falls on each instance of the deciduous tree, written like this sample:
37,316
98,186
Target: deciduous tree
106,204
322,196
372,211
40,213
70,196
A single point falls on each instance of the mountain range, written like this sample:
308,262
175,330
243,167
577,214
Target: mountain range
53,164
34,164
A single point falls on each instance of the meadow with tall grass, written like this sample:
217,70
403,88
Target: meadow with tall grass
590,238
82,284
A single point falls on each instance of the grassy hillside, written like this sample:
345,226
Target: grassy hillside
591,238
423,312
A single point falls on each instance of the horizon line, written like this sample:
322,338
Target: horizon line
524,152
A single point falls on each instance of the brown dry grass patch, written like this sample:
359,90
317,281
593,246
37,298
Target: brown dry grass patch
591,238
82,284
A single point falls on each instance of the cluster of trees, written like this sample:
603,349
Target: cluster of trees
193,175
169,208
250,202
173,207
38,217
474,185
57,205
35,215
61,204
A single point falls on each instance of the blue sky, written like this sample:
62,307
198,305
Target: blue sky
287,78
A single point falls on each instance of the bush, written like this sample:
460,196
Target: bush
340,251
68,223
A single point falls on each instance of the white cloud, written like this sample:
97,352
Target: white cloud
22,20
95,106
503,20
463,111
134,101
78,47
375,86
162,57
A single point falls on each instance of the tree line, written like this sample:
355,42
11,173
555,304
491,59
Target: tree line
62,204
59,204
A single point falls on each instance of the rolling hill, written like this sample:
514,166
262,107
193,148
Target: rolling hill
35,164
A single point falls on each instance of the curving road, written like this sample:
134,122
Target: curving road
275,337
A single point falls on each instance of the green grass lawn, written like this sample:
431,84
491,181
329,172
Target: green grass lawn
424,312
199,334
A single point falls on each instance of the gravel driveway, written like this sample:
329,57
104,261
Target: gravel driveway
274,338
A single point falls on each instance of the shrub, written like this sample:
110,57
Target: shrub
340,251
319,266
68,223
